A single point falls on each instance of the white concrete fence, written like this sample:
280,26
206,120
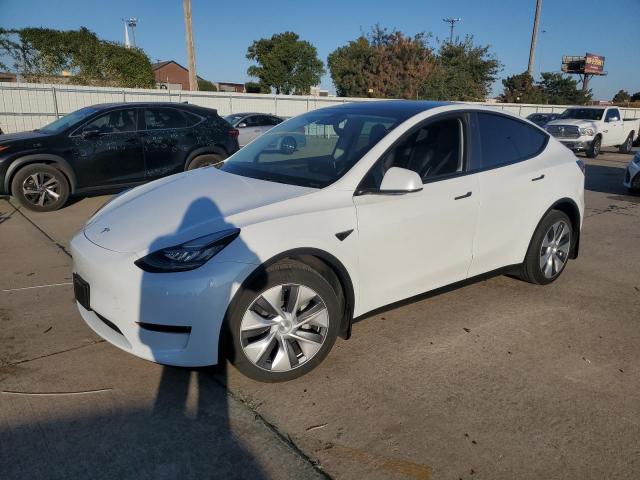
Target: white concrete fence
26,106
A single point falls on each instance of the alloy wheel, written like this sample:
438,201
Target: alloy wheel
284,327
554,251
41,189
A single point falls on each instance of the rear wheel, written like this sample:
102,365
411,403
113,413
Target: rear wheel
627,145
594,150
40,187
549,250
284,324
205,161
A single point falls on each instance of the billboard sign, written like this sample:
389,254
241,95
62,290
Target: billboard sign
590,64
594,64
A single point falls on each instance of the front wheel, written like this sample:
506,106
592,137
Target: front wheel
549,250
594,150
283,324
40,187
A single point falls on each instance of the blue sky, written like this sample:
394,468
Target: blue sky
224,30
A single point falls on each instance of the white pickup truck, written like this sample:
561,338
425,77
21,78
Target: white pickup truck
589,129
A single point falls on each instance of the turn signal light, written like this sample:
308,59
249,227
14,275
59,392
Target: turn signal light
234,133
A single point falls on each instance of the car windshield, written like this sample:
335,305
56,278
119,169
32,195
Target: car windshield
314,149
68,120
583,113
233,119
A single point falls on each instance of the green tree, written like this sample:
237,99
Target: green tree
635,97
563,90
255,87
521,89
621,97
352,68
382,64
286,63
206,86
41,53
463,72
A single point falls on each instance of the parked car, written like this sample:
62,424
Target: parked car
251,125
110,146
589,129
541,119
268,258
632,175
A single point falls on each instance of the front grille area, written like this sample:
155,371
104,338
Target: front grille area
564,131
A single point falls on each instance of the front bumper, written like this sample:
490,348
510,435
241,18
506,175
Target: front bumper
168,318
578,144
632,176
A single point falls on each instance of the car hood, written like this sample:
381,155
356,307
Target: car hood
22,136
180,208
573,121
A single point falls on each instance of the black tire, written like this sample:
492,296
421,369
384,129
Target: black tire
626,146
282,273
594,149
288,145
531,270
35,186
205,161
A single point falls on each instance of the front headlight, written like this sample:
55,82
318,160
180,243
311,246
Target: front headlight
189,255
587,131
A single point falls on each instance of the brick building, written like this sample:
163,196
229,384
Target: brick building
170,74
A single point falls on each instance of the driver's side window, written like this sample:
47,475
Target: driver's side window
116,121
432,151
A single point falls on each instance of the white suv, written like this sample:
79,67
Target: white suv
269,257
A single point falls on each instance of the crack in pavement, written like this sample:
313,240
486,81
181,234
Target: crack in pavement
13,364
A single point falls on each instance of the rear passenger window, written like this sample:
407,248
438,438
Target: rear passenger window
192,118
505,140
161,118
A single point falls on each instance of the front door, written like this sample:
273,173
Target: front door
415,242
613,132
249,129
110,152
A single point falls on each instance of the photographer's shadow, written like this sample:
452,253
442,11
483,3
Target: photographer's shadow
191,410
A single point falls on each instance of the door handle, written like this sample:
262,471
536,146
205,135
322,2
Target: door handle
538,178
605,131
466,195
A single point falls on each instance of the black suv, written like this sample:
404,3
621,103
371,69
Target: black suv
110,146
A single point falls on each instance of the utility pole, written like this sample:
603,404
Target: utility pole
193,79
534,37
452,22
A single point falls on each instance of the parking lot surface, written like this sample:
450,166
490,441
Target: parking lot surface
498,379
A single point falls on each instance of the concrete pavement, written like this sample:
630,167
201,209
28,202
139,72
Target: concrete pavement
497,379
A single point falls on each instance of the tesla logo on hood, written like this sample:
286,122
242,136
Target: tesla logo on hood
105,230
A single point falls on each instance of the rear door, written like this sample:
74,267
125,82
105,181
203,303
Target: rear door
167,139
113,153
513,180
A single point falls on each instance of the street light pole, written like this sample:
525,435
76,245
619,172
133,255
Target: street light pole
193,79
452,22
534,37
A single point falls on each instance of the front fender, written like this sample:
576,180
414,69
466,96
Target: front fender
48,158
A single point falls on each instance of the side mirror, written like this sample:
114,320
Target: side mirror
400,180
242,125
90,132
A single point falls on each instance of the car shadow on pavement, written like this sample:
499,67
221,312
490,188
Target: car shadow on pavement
605,179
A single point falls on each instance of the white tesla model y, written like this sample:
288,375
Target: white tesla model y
269,256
